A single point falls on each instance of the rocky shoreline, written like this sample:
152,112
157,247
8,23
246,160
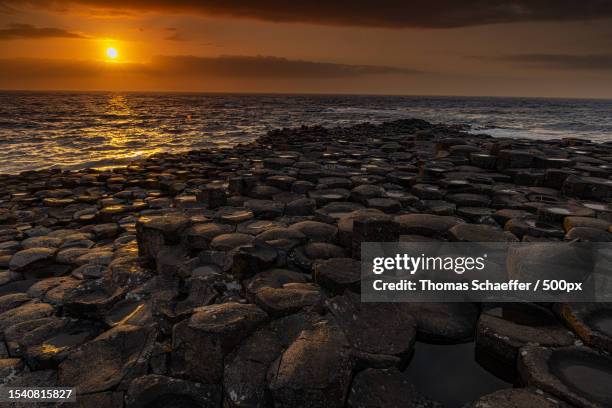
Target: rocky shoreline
231,277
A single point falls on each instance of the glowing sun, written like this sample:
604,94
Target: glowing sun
112,53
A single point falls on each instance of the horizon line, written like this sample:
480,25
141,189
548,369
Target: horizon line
300,94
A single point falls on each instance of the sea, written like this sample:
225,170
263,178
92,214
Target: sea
71,130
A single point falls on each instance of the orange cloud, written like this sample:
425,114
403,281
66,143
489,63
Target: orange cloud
27,31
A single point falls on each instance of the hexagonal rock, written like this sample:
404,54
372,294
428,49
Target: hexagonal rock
427,192
314,371
444,323
259,226
126,272
117,355
227,242
46,345
346,222
585,234
244,377
301,207
512,159
389,339
469,199
282,238
32,259
249,260
41,242
334,211
200,343
426,224
25,312
587,187
316,231
234,215
385,388
12,301
522,227
281,291
329,195
338,274
480,233
156,231
92,298
372,230
504,215
107,399
590,321
362,193
9,367
157,391
577,375
305,256
570,262
265,209
589,222
199,236
517,398
504,329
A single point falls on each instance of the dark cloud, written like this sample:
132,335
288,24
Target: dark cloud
193,67
27,31
271,67
559,61
381,13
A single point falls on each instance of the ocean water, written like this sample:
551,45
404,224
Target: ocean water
73,130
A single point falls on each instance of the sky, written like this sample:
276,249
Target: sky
548,48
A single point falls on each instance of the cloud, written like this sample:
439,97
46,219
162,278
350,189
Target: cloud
595,62
27,31
382,13
250,67
267,67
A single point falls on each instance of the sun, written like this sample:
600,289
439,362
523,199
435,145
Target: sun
112,53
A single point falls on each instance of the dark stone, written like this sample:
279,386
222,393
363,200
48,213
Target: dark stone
590,321
338,274
326,196
156,391
587,187
302,206
265,209
117,355
200,236
200,343
502,330
282,238
369,334
315,371
444,323
426,224
577,375
386,388
518,398
372,230
251,259
316,231
227,242
157,231
480,233
25,312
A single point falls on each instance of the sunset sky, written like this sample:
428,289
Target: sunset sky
560,48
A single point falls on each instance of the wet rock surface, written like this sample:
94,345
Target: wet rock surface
232,276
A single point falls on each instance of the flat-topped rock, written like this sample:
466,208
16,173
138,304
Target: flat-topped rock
426,224
480,233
